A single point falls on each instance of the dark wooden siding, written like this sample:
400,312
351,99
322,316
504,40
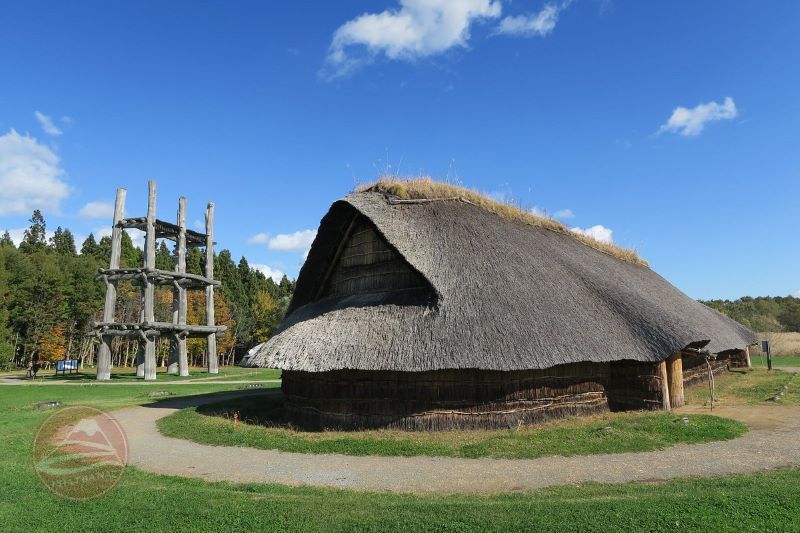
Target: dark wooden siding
454,399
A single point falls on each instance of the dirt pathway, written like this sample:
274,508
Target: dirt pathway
774,442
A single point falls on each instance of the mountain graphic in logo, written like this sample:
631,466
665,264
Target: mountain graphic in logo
80,453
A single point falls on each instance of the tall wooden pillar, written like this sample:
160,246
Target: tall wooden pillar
149,287
213,362
140,352
675,378
178,362
109,310
662,372
747,360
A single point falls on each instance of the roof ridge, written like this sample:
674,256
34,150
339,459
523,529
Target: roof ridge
423,190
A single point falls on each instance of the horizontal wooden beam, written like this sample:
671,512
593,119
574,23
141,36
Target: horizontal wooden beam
164,230
161,326
158,276
154,328
149,333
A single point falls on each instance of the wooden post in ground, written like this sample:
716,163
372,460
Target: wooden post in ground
213,362
662,372
178,362
747,357
109,310
139,360
149,286
675,375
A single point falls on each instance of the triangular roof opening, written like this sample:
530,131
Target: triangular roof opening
365,263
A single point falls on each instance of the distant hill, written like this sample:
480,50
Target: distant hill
762,313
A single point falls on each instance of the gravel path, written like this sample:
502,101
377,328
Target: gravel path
774,442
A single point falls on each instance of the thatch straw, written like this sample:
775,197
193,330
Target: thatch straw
497,294
428,189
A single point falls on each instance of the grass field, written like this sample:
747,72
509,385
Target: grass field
781,343
611,433
148,502
129,374
747,386
760,361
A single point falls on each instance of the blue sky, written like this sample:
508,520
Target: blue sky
675,125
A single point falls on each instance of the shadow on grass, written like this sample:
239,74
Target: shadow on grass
220,400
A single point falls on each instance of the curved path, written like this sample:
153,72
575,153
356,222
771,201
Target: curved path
774,442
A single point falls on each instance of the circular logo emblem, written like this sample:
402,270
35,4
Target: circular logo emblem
80,453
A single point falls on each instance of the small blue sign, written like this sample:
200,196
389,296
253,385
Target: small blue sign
66,364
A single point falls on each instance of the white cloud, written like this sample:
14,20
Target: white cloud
137,237
97,210
258,238
199,225
796,294
598,233
47,124
17,234
105,231
502,195
690,122
418,28
532,24
564,214
30,176
561,214
297,241
269,272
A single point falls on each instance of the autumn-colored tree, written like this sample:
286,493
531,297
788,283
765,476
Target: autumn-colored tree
49,297
53,344
223,317
265,317
196,314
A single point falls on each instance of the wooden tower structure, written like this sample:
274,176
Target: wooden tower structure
147,277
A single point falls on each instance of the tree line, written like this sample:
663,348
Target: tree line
49,297
762,313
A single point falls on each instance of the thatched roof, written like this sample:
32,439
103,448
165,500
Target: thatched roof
503,295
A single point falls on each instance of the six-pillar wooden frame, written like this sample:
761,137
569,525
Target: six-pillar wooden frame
147,329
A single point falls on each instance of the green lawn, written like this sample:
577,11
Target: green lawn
777,360
747,386
614,432
129,374
148,502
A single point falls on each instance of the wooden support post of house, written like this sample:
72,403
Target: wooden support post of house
213,363
109,310
747,360
675,378
149,286
662,373
178,362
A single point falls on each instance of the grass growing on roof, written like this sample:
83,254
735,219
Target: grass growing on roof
428,189
149,502
611,433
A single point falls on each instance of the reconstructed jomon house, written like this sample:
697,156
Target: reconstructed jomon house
427,306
